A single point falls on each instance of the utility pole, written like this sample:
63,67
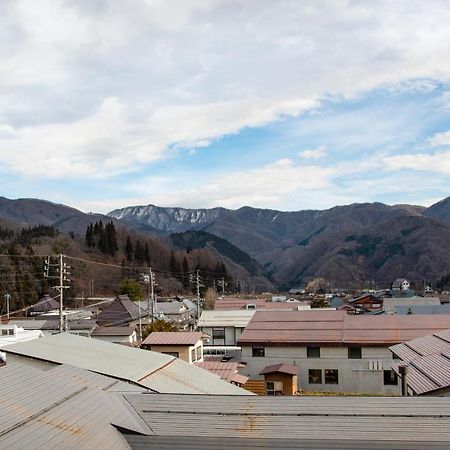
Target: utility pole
151,297
7,298
198,293
62,277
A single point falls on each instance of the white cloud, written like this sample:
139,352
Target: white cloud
440,139
266,186
314,153
438,162
101,87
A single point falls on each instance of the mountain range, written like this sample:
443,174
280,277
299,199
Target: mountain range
345,244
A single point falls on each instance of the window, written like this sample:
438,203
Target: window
176,354
331,376
313,352
218,335
193,355
390,378
258,352
4,332
315,376
274,388
354,353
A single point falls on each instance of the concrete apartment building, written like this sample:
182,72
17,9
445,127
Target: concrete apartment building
334,351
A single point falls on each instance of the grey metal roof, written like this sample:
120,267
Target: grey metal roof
321,422
171,308
162,373
139,442
113,331
40,410
422,309
390,303
53,324
181,377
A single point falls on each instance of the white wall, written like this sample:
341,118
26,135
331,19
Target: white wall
354,374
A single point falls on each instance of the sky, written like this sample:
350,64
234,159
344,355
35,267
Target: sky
281,104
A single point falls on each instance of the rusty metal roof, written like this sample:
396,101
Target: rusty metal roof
337,327
280,368
228,371
296,421
173,338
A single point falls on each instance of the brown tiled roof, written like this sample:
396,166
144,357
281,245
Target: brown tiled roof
173,338
280,368
337,328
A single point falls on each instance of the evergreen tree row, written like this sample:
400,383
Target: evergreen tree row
103,237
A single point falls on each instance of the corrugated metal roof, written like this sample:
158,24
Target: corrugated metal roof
181,377
40,410
173,338
428,360
162,373
337,327
228,371
331,419
280,443
92,354
238,319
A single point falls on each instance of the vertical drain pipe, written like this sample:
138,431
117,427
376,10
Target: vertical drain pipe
403,370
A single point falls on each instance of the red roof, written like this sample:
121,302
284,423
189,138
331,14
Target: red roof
338,328
228,371
173,338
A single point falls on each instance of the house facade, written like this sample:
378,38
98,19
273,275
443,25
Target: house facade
401,284
334,351
186,345
224,327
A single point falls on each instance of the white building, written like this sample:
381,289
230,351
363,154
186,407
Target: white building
12,334
224,327
401,284
335,352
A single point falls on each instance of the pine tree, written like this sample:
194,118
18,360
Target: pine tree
174,266
186,280
129,250
139,252
147,256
